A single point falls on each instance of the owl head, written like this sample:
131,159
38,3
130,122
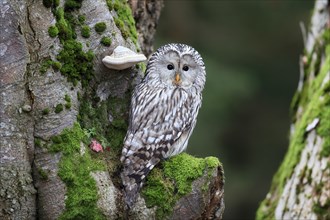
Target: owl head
176,65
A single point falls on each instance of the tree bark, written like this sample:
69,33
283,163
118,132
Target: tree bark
57,96
301,187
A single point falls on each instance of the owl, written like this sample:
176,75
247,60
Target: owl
163,113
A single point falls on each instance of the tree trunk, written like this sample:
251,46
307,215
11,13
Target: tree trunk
57,96
301,186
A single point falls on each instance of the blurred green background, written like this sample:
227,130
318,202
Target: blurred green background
251,51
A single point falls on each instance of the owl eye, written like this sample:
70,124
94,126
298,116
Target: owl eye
185,68
170,67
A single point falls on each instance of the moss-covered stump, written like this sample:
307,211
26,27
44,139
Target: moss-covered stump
301,187
183,187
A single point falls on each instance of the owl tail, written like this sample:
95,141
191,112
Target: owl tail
132,185
131,193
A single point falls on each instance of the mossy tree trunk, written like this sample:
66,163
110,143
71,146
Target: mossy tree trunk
57,96
301,186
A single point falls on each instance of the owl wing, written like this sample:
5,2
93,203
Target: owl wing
158,119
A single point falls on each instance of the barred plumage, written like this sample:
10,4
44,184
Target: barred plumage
163,113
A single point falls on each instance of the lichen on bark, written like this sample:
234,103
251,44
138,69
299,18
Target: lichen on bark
295,191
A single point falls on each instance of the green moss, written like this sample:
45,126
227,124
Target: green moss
71,138
81,19
76,64
74,170
64,28
79,96
106,41
45,111
313,107
45,65
85,31
110,5
49,63
94,119
142,66
67,98
212,162
56,139
58,108
121,25
56,3
43,174
124,20
82,192
68,105
165,186
184,169
100,27
116,5
71,5
53,31
56,65
326,35
323,128
159,190
322,211
37,142
47,3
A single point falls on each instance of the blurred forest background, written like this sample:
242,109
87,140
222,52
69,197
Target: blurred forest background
251,51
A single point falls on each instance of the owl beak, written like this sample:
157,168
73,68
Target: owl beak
177,78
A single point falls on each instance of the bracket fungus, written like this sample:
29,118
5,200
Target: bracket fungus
122,58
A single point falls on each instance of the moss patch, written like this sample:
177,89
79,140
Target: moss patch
58,108
37,142
142,66
106,41
46,64
67,98
74,170
43,174
85,31
77,65
106,121
165,186
124,20
71,5
67,101
81,19
100,27
53,31
323,128
45,111
313,107
56,65
65,29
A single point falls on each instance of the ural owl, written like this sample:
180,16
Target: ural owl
163,113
